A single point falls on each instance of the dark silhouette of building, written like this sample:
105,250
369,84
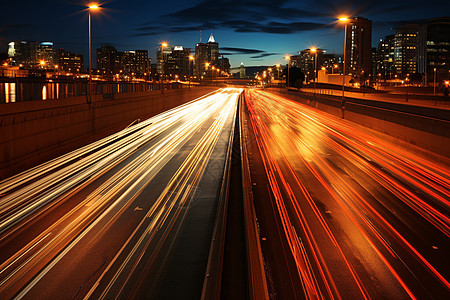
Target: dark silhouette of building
178,62
132,63
31,54
433,49
224,64
405,42
206,56
358,47
385,57
69,61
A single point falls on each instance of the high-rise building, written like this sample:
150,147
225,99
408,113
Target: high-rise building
45,54
161,58
405,42
143,63
206,53
358,47
177,62
70,62
224,64
132,63
23,53
106,59
385,57
433,49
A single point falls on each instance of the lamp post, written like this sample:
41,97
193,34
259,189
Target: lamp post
289,63
434,83
314,50
406,82
191,58
344,20
92,7
163,44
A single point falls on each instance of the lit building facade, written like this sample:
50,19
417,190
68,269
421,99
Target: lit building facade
358,47
405,43
31,54
206,53
385,57
433,49
132,63
70,62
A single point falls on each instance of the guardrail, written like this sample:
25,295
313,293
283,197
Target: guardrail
255,263
213,276
25,89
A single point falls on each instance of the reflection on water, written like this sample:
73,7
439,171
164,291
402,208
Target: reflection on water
28,90
10,92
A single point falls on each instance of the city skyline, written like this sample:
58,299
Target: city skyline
255,34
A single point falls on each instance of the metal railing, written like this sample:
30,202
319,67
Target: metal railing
26,89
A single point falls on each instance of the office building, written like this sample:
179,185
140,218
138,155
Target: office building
206,56
385,57
433,49
70,62
358,47
177,62
405,42
132,63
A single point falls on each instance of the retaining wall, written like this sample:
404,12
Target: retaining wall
36,131
426,127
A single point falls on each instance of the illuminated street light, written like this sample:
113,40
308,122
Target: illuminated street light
278,68
344,20
314,50
289,63
434,83
91,7
191,58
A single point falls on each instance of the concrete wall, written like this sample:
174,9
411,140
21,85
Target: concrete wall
36,131
425,127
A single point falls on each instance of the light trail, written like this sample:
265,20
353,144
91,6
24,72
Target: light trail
124,165
336,184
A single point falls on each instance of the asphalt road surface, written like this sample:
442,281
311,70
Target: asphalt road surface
128,216
343,212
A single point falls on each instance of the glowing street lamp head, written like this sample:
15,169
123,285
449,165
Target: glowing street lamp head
343,19
191,57
93,6
277,65
313,49
42,62
287,57
164,44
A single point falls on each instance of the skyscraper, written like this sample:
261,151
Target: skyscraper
359,47
70,62
206,53
385,56
405,40
433,49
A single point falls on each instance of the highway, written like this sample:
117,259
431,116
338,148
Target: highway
344,212
129,216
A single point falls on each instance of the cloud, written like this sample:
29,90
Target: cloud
241,50
274,16
264,55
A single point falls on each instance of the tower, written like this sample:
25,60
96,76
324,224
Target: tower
359,47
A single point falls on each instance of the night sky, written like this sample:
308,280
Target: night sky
248,31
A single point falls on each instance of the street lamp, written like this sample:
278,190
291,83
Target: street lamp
191,58
91,7
289,63
314,50
434,83
344,20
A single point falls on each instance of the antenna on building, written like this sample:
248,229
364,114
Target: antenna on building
200,35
